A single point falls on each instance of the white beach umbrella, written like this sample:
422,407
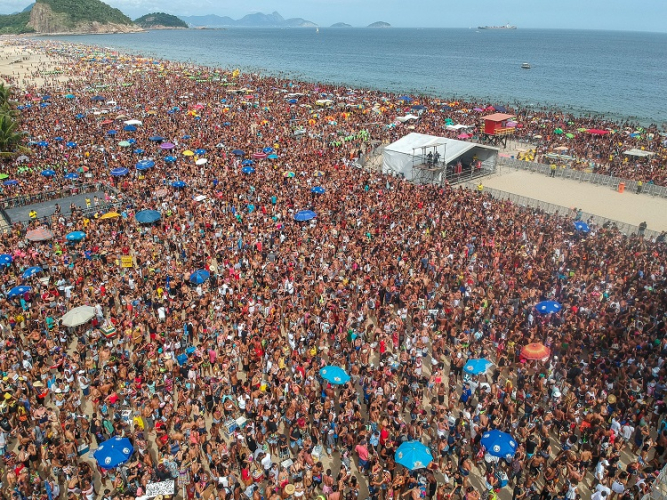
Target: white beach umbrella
201,161
78,316
133,122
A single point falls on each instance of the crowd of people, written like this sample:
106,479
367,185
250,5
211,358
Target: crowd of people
214,376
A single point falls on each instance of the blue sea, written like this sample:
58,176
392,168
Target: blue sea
622,75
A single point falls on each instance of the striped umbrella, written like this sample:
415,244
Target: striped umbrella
535,350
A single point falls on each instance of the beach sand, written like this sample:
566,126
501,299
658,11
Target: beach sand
604,201
23,67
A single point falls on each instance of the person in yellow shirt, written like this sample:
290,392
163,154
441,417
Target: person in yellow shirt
33,215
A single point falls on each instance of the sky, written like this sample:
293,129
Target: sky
623,15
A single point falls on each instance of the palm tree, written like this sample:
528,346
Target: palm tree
10,136
5,94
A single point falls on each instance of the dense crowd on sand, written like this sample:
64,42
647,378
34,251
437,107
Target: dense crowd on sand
214,377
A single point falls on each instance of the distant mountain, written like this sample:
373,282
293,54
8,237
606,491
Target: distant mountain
256,20
160,20
341,25
28,8
380,24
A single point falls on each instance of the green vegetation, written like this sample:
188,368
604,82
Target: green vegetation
10,136
87,11
160,19
15,24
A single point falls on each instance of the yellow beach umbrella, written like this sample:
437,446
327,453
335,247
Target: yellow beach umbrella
110,215
188,153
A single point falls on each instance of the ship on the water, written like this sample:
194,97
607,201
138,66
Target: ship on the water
507,26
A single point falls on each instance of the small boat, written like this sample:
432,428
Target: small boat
525,66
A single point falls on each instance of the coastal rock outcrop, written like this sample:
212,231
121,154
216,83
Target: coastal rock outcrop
43,19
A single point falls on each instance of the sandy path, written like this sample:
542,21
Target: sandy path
604,201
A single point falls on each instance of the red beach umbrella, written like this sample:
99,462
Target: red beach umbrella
535,350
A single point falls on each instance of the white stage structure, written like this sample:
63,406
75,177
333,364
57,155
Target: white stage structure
428,159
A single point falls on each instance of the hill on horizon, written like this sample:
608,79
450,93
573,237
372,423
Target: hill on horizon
160,19
256,20
341,25
379,24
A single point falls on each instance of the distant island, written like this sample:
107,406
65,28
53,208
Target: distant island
341,25
380,24
256,20
160,20
68,16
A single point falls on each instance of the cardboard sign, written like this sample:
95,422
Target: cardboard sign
126,261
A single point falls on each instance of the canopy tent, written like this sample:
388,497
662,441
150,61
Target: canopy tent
402,156
640,153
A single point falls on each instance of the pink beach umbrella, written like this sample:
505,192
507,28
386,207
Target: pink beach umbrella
259,156
167,145
463,136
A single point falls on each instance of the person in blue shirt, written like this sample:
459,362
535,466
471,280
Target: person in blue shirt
466,393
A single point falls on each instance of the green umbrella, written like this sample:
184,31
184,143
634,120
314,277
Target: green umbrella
124,144
581,130
569,136
558,131
3,177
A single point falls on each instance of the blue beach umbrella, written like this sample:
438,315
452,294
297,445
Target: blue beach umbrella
178,184
71,144
248,170
130,128
71,176
499,444
156,138
17,291
119,172
31,271
317,190
6,259
145,164
79,116
405,98
476,366
413,455
199,276
138,151
11,182
581,226
48,172
304,215
58,139
148,216
75,236
272,156
97,98
113,452
112,132
267,150
70,96
200,152
186,137
548,307
247,162
42,144
334,375
238,152
170,159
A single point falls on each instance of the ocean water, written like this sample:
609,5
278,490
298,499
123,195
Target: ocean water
617,74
